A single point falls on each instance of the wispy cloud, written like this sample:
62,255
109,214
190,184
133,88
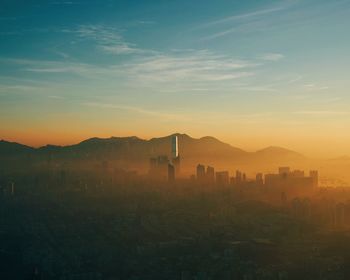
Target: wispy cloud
59,67
108,39
295,79
314,87
248,15
193,68
243,22
272,56
19,87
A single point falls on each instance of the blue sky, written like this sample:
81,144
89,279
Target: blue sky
253,73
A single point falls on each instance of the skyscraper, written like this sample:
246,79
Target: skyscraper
175,157
210,174
222,178
200,172
174,147
314,176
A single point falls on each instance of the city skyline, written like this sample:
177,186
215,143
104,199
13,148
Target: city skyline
251,74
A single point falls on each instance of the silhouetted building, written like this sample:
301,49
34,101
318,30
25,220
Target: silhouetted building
259,179
162,168
175,156
210,175
174,147
238,177
287,179
284,171
201,172
314,176
297,174
222,178
159,167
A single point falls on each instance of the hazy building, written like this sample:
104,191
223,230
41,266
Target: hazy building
259,179
284,171
210,174
201,172
297,174
314,176
222,178
287,179
238,177
163,168
159,167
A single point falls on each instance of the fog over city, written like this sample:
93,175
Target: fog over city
177,140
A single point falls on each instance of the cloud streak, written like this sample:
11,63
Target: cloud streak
193,68
107,39
272,56
244,22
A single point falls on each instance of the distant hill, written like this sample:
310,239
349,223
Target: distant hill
133,149
14,149
277,154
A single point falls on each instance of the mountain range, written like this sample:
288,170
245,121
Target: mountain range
206,149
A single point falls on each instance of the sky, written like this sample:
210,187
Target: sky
251,73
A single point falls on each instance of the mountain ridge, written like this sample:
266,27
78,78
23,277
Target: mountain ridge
132,146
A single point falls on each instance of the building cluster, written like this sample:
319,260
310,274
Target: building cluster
285,178
288,178
163,168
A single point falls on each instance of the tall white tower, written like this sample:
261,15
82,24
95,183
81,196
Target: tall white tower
175,157
174,147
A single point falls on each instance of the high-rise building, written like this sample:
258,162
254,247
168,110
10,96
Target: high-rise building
201,172
159,167
238,177
210,175
291,179
284,171
314,176
174,147
175,156
297,173
222,178
163,168
259,179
